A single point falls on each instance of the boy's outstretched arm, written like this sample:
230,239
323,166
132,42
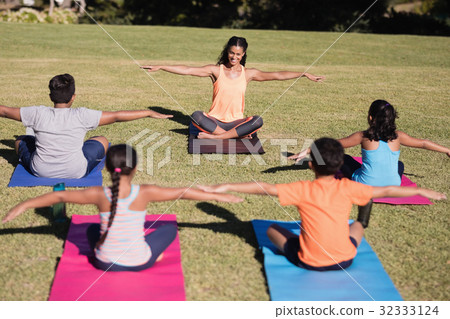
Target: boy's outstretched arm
259,188
398,191
197,194
12,113
85,196
124,116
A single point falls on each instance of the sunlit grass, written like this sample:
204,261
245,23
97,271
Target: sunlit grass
220,257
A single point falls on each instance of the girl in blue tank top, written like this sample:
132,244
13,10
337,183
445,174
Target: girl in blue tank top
119,243
380,148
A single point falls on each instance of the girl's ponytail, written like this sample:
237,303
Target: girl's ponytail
115,176
120,160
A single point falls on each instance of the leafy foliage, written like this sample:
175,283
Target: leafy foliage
27,15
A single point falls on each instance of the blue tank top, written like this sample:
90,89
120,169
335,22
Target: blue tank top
125,243
379,167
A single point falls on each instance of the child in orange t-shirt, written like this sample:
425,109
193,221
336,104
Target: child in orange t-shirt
326,241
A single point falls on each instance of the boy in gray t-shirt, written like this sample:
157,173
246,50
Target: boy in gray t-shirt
58,149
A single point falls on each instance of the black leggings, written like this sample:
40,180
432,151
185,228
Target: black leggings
351,165
160,239
246,126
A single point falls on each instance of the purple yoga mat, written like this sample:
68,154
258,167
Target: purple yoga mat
77,279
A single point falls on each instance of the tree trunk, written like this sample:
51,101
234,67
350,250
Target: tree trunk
52,6
66,4
82,6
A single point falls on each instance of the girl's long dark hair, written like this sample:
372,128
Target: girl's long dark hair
381,120
120,160
234,41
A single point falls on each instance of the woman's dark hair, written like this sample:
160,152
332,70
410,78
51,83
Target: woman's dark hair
234,41
62,88
381,120
121,159
327,156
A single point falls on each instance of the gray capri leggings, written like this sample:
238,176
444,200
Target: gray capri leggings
245,126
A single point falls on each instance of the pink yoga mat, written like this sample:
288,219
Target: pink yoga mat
77,279
413,200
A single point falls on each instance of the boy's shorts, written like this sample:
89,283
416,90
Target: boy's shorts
27,147
93,152
292,247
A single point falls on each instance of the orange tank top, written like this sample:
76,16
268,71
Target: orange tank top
228,97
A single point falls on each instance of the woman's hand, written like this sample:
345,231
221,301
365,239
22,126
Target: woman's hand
314,78
14,212
151,68
299,156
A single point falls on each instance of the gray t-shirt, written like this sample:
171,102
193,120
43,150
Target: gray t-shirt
59,136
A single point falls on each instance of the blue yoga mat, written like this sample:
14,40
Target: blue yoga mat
364,280
22,178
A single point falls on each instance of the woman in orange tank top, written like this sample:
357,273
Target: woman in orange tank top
225,118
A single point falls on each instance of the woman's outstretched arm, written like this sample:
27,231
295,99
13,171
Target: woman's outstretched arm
203,71
410,141
257,75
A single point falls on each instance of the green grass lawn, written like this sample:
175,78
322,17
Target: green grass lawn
220,257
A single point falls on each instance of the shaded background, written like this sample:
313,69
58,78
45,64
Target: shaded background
427,17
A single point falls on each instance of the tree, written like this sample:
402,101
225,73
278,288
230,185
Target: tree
198,13
318,15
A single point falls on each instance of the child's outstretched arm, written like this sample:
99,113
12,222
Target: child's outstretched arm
299,156
346,142
410,141
124,116
85,196
351,140
161,194
258,188
12,113
399,191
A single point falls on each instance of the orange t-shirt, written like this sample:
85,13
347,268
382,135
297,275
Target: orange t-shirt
228,97
324,207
